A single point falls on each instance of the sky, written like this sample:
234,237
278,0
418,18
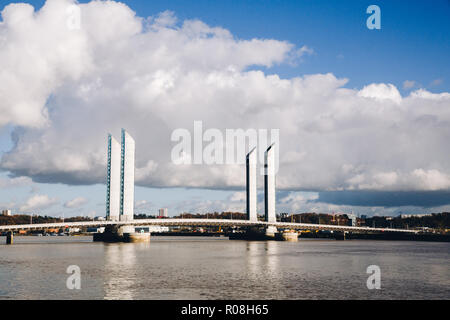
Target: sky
363,115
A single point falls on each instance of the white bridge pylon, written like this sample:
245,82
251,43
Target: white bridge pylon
269,185
252,202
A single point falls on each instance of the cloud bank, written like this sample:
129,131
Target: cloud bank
38,202
64,89
75,203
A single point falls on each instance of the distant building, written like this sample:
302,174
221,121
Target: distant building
151,229
405,216
351,220
6,212
164,212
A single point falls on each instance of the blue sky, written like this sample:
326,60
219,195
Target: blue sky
413,44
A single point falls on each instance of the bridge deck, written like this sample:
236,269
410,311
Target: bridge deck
199,222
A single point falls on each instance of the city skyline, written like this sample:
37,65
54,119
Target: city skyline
362,128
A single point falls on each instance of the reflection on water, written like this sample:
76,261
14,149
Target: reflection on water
253,259
123,270
120,260
213,268
271,257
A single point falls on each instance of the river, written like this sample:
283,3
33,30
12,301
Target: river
218,268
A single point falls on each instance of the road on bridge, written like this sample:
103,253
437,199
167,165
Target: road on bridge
200,223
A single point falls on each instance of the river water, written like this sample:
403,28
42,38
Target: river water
218,268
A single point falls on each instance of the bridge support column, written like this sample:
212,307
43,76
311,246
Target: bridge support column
252,201
125,229
271,231
121,234
10,238
291,236
269,184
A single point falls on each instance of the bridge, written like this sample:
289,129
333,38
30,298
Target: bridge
120,195
200,223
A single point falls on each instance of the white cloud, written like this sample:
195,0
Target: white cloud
164,19
426,95
238,196
436,82
146,171
75,203
409,84
152,76
92,214
143,204
381,91
296,201
208,206
305,50
386,178
34,61
38,202
15,182
235,202
433,179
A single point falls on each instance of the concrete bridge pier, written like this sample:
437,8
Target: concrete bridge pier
271,231
121,234
339,235
291,236
10,237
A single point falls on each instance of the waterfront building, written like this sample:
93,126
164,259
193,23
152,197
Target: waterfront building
151,229
405,216
351,219
164,212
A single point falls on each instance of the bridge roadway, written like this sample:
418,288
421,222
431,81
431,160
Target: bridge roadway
199,223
